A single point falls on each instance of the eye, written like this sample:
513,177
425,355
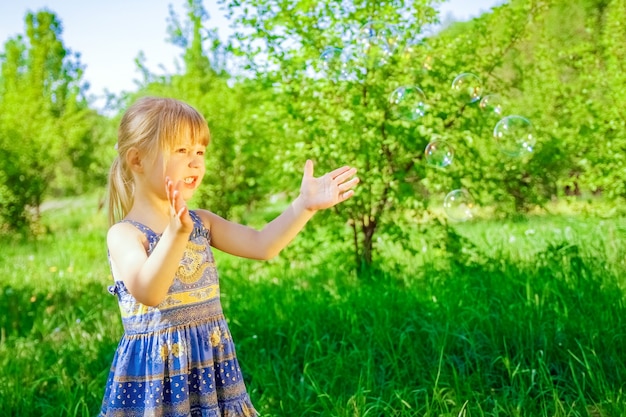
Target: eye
201,152
181,150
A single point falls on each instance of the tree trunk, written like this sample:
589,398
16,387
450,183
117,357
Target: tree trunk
364,243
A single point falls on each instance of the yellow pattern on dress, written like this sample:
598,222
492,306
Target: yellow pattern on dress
189,273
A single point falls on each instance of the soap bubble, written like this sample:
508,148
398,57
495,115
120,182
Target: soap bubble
459,205
492,105
408,103
514,135
335,62
419,55
331,57
467,87
439,153
376,42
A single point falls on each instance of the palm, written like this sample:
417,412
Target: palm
329,189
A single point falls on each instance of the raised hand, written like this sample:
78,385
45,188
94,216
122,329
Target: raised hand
329,189
180,220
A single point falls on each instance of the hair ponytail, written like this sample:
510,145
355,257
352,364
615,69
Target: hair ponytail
120,192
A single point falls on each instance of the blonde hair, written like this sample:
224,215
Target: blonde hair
151,124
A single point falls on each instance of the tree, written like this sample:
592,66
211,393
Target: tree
604,165
45,122
346,115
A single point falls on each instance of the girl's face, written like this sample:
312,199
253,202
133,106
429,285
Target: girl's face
184,164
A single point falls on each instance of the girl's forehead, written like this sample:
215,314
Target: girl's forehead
194,137
188,138
190,143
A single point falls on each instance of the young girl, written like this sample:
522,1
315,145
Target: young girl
177,357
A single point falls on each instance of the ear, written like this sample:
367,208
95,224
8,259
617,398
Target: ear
134,160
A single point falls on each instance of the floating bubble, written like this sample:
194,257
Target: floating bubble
333,62
439,153
467,87
492,104
408,103
376,42
459,205
352,67
331,57
419,54
514,135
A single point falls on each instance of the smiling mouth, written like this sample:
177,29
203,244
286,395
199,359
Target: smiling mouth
190,180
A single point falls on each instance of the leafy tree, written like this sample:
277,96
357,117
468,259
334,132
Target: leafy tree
604,166
574,58
346,115
46,126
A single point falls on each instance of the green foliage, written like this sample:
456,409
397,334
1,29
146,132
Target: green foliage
286,109
57,337
557,63
572,56
47,131
350,120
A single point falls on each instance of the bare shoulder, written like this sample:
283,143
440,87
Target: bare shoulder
122,235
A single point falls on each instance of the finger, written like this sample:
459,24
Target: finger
179,185
168,185
343,176
178,196
182,211
348,184
308,169
346,195
173,208
339,171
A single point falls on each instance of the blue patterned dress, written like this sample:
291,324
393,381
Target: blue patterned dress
178,358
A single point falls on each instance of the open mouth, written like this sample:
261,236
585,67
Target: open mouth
190,180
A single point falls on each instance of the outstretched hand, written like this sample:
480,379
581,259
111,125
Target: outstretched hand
328,190
180,220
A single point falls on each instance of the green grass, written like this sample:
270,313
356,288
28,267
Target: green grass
453,322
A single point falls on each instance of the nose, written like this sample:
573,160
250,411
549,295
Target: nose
196,161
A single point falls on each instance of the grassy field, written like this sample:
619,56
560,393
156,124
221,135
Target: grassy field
487,319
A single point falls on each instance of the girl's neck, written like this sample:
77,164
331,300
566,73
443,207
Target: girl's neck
151,212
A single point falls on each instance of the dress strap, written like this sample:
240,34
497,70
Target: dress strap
145,229
199,229
150,234
196,219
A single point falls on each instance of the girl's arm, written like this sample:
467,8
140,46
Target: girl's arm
148,278
315,194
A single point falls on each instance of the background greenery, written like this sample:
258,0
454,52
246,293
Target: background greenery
382,306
